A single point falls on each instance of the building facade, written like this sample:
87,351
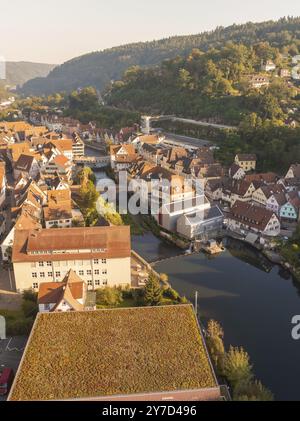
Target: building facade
101,256
246,161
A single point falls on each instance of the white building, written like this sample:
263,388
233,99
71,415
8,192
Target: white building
269,66
200,223
251,218
122,157
27,165
101,256
169,213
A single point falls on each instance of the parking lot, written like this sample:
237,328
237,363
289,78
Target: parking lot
11,351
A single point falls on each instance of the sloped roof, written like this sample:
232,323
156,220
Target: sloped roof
246,157
27,221
71,289
24,163
268,178
233,170
250,214
61,160
97,242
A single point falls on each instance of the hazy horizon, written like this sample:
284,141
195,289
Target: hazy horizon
56,31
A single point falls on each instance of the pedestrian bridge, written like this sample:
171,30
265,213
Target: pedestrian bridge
93,161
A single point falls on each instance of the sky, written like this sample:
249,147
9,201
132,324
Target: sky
53,31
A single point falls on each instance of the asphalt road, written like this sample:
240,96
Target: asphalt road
11,351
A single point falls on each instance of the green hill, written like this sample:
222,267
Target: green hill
17,73
99,68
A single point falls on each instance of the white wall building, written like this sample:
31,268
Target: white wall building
101,256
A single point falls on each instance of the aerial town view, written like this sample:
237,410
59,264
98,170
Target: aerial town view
150,204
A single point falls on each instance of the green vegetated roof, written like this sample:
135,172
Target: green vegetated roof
113,352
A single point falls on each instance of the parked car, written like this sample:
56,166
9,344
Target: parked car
6,380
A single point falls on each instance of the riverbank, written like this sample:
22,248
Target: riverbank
273,256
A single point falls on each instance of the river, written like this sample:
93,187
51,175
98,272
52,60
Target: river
253,300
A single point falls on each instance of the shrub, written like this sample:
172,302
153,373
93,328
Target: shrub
29,308
127,294
30,295
236,366
111,297
252,391
172,294
17,327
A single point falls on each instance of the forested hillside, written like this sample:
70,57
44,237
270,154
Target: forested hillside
99,68
17,73
213,85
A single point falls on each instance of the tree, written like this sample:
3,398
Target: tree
111,297
214,330
153,291
236,366
164,277
84,100
132,74
172,294
252,391
87,199
84,175
29,295
185,79
29,308
215,343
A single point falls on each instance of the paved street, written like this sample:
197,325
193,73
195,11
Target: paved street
11,351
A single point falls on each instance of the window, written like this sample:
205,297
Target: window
81,272
90,283
105,282
97,272
57,274
96,261
35,285
42,275
104,261
34,275
104,272
88,272
50,274
97,282
41,264
49,263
